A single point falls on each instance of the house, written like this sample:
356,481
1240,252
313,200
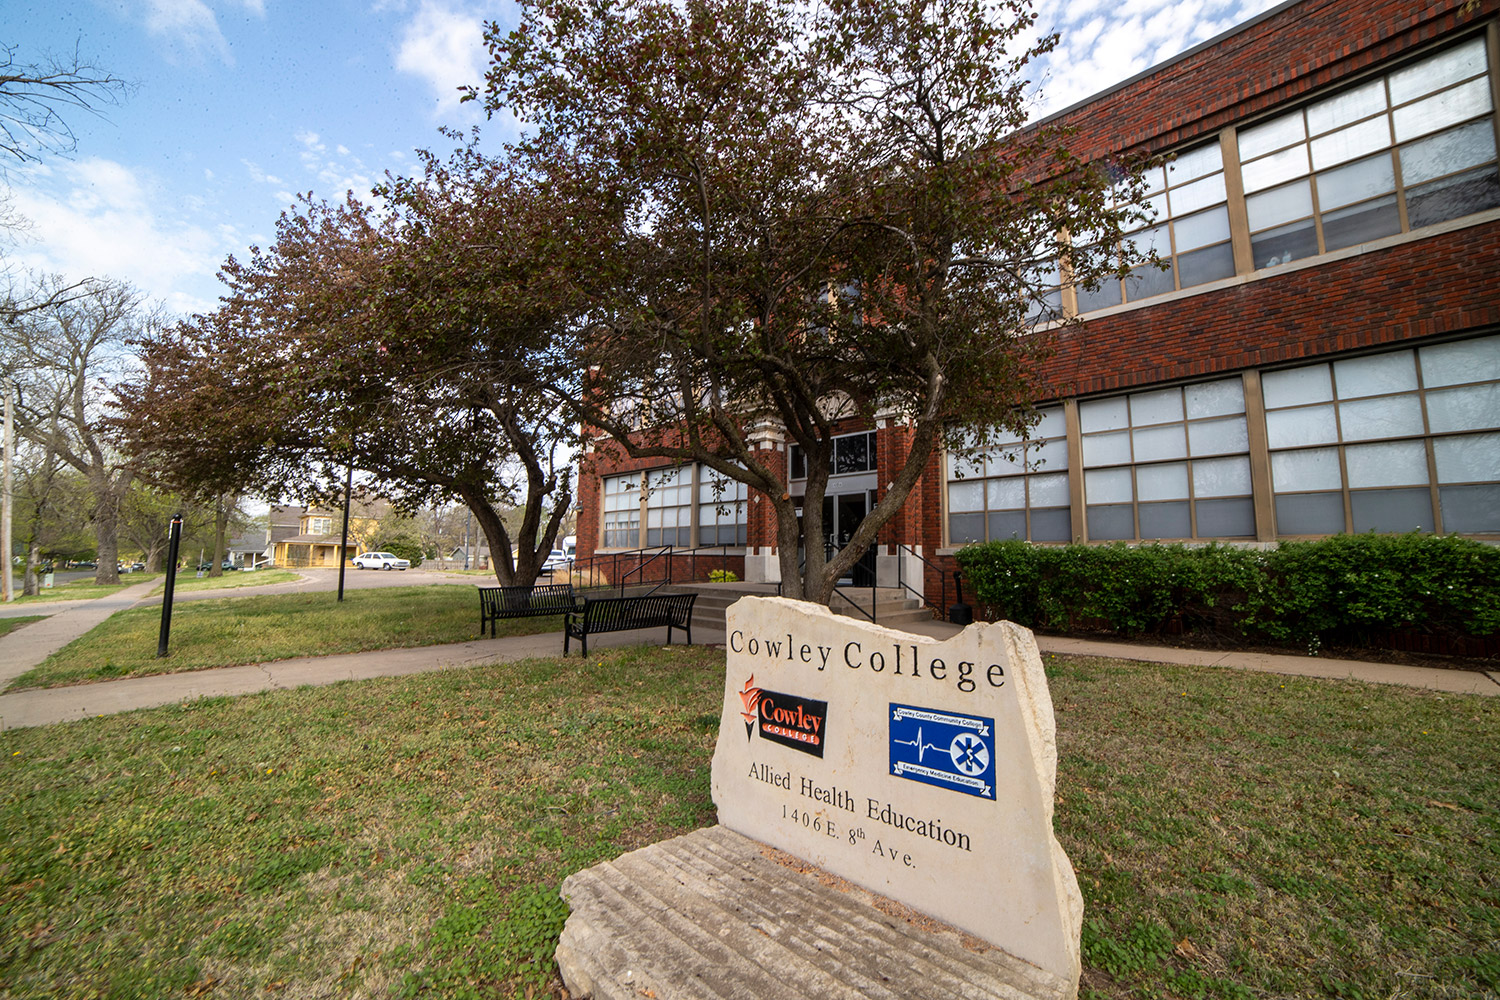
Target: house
1322,355
302,537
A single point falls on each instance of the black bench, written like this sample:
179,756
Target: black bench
620,614
546,599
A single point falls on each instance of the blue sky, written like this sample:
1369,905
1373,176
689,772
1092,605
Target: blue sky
238,105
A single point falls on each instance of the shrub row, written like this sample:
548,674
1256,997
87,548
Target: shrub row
1343,590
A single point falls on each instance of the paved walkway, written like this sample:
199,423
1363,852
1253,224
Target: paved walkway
43,707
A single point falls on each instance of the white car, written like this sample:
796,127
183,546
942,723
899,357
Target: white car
380,560
556,559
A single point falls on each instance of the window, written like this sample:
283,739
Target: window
721,509
669,507
622,511
1168,463
1400,441
1018,489
851,453
319,525
1412,148
1186,197
665,502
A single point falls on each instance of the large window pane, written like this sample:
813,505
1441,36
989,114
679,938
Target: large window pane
1153,444
1391,510
1461,361
1106,449
1395,463
1282,246
1199,194
1469,408
1312,384
1103,414
965,496
1006,525
1441,110
1221,477
1306,425
1346,144
1453,197
1470,458
1163,406
1449,152
1214,399
1274,134
1226,518
1050,490
1280,205
1275,169
1349,106
1218,437
1162,482
1051,526
1202,229
1349,227
1106,295
1471,509
1376,374
1310,514
1310,469
1434,72
1006,494
1356,182
1205,265
1108,486
1194,163
1392,416
1147,280
965,528
1166,520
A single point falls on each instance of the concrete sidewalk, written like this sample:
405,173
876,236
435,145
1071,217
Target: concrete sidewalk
46,706
29,645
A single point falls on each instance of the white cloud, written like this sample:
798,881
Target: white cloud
1105,44
191,28
95,217
445,47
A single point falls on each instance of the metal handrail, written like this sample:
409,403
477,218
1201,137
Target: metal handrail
901,583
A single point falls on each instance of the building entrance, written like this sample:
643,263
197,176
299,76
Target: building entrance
842,514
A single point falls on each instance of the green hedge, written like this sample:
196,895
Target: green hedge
1341,590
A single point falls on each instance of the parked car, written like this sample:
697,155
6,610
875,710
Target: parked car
380,560
556,559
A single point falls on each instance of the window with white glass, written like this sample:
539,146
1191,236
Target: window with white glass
1017,489
1190,232
1168,463
1400,441
1408,149
722,516
622,511
669,507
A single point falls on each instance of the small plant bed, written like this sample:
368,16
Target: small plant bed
85,590
8,625
1235,835
258,629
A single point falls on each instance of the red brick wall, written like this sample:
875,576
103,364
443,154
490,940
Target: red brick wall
1438,285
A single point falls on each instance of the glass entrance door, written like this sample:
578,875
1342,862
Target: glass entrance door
842,515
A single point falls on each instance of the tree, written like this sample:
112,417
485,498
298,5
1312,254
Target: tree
826,214
404,343
36,99
68,360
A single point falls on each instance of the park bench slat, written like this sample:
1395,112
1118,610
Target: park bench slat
623,614
524,602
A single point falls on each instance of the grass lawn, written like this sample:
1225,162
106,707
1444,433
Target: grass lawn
11,624
187,580
1236,835
86,590
220,633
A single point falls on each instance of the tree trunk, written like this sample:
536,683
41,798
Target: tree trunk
31,586
221,525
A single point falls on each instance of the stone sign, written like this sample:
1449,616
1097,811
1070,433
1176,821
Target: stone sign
919,769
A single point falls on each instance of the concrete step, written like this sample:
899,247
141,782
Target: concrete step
713,915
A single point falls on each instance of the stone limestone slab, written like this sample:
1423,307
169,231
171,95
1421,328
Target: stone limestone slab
713,915
922,770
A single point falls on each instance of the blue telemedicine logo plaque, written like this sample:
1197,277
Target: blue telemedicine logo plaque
946,749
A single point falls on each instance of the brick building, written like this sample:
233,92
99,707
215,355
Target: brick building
1323,355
